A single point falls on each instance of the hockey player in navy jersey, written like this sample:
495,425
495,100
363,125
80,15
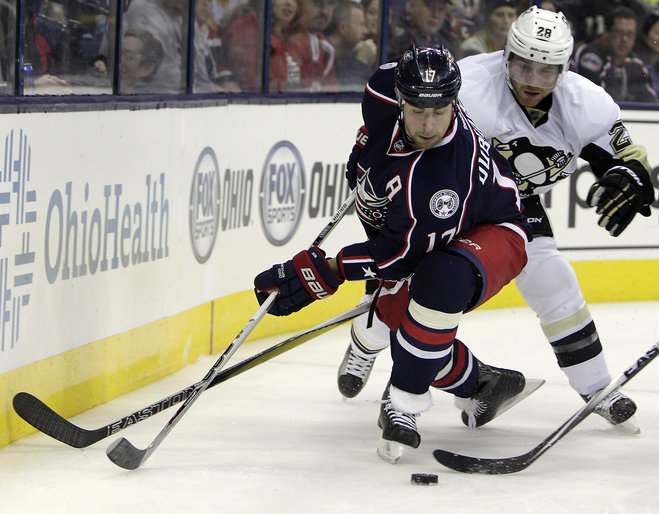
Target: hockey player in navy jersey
541,117
445,233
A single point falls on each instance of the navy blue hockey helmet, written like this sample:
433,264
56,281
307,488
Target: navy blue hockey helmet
427,77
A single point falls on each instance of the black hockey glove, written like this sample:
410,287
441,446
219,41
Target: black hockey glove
618,196
300,281
351,165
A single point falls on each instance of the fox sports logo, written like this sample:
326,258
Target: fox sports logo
205,205
281,195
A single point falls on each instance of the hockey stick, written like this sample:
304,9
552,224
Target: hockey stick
468,464
124,454
46,420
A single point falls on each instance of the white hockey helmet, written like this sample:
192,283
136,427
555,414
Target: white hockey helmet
540,36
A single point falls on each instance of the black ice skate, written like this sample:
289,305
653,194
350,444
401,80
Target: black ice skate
398,430
617,409
355,368
498,390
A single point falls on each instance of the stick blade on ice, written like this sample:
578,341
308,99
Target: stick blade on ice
466,464
46,420
125,455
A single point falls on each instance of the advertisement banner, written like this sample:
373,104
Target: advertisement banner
111,220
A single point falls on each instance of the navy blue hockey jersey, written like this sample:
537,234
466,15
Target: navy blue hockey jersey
414,201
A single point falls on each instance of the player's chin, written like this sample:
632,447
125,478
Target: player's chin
530,97
426,142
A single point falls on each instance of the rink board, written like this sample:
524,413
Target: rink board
130,239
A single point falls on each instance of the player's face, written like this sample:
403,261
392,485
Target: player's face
426,127
529,96
532,81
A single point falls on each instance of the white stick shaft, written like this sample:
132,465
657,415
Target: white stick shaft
127,456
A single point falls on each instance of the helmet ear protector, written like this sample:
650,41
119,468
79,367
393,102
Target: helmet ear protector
427,78
543,37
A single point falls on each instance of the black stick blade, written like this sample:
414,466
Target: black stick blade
125,455
46,420
466,464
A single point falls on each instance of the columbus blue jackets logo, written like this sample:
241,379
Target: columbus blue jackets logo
370,208
444,203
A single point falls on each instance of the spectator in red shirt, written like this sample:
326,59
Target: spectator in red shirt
313,51
243,43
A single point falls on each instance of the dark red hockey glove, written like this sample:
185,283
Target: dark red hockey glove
618,196
300,281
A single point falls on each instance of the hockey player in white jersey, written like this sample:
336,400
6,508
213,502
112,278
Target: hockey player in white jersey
542,117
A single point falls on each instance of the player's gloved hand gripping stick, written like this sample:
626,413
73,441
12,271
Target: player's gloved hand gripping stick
127,456
305,278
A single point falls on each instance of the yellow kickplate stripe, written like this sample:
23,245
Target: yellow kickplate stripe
75,381
601,282
619,281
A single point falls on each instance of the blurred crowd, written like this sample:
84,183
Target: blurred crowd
70,46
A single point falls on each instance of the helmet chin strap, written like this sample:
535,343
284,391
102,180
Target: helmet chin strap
406,136
401,121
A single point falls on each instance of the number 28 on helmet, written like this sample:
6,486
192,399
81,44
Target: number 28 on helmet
543,40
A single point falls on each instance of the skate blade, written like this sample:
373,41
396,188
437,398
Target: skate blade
390,451
531,386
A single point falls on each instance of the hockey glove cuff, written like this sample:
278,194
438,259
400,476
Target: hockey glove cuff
355,262
618,196
300,281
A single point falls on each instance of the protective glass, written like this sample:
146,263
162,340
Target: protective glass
533,73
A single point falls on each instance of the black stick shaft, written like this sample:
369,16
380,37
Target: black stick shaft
467,464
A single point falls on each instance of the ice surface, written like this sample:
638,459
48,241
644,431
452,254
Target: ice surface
280,439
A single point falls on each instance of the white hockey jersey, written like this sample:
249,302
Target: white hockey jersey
583,121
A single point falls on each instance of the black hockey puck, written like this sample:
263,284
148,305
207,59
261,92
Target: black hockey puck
424,479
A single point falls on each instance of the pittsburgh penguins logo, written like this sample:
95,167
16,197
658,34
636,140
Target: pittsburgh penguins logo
533,166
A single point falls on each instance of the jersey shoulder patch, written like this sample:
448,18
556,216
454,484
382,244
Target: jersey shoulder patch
591,62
